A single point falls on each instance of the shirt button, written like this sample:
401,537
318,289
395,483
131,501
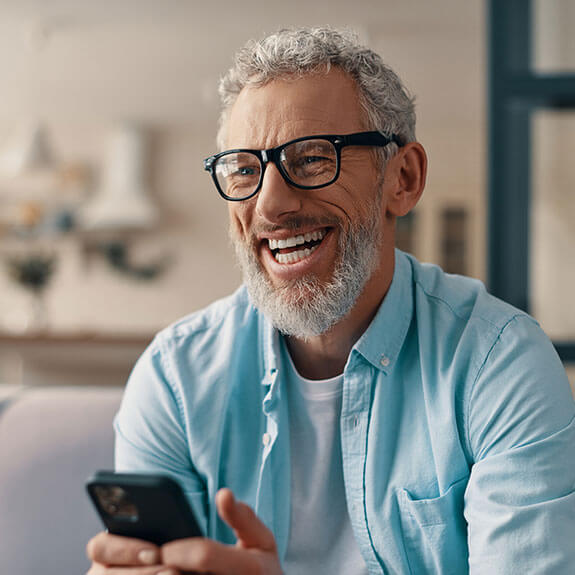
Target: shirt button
266,439
355,421
384,360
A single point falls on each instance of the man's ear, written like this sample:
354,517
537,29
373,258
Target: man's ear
407,179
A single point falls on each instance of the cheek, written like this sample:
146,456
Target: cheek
358,202
242,223
237,218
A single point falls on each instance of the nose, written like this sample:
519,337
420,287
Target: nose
276,197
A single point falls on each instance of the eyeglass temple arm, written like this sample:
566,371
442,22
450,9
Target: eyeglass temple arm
370,139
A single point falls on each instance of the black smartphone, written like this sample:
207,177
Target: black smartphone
146,506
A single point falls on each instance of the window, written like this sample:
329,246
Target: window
532,100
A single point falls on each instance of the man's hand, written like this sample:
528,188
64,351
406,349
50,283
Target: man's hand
255,552
113,554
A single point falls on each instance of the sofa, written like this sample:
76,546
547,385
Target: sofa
51,440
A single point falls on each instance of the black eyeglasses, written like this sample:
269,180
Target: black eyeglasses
307,163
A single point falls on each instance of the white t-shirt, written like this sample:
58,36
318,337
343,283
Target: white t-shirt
321,539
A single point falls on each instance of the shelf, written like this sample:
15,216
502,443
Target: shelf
69,358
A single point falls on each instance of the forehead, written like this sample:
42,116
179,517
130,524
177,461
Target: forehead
284,109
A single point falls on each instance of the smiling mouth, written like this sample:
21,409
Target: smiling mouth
296,248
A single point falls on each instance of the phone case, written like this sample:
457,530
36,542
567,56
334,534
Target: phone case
145,506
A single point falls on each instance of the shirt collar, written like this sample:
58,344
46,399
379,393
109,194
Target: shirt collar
381,343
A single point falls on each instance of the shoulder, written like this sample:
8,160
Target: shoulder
203,345
456,314
458,310
494,357
506,364
466,331
189,359
463,298
233,314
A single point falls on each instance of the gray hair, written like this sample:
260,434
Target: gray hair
387,104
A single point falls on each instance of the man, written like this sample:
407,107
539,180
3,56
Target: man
378,415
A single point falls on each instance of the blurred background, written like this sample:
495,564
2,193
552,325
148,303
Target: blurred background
110,229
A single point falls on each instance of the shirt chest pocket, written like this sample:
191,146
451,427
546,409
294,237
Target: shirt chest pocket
435,532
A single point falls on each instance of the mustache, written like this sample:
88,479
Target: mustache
295,223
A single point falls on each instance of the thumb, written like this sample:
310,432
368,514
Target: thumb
248,528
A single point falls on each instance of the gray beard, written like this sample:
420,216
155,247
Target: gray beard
307,307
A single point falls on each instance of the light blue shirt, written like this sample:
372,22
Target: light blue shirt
457,427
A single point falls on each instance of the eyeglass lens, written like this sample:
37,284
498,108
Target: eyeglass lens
308,163
238,173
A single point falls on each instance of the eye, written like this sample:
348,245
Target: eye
313,159
237,173
246,171
310,162
311,165
238,166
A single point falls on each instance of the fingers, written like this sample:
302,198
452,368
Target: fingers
98,569
248,528
115,550
255,552
208,556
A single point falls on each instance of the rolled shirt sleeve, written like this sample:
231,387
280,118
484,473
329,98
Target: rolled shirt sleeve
150,429
520,498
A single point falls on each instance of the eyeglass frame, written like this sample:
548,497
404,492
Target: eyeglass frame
371,138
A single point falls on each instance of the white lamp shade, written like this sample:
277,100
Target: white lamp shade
28,152
123,202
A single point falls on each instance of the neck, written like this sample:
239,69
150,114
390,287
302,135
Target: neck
325,355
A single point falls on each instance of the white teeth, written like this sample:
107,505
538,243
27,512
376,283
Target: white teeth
294,257
292,242
296,240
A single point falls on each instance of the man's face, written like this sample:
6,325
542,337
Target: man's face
306,288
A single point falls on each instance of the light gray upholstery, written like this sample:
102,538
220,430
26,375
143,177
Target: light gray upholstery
51,441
